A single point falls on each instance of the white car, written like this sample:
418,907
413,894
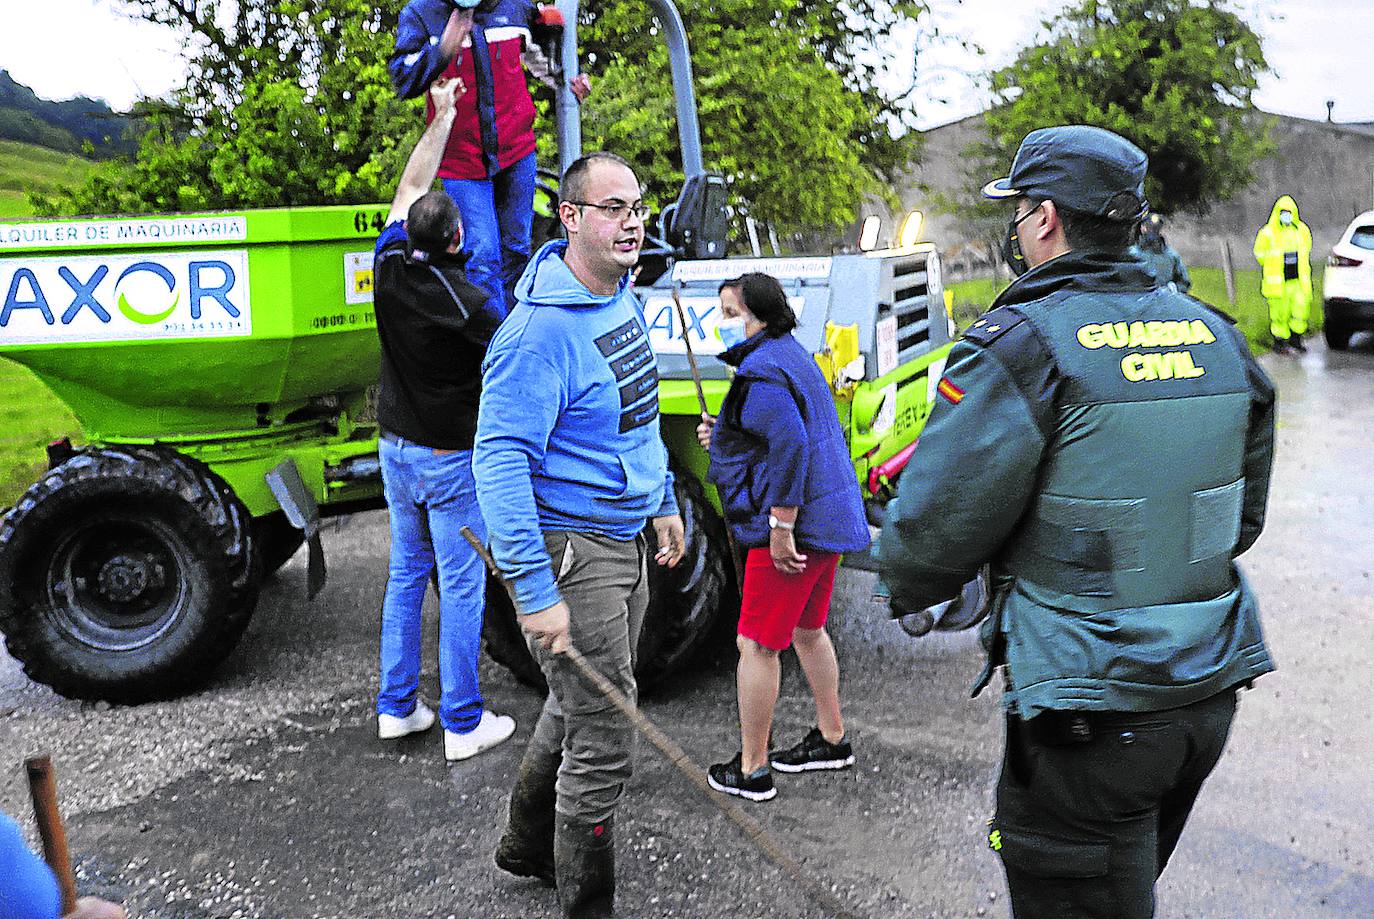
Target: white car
1348,284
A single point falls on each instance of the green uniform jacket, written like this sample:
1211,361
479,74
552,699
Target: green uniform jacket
1106,444
1164,263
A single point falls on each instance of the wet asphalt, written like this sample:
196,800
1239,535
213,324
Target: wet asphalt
267,794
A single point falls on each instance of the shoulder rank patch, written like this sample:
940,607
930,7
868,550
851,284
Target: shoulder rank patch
992,325
953,394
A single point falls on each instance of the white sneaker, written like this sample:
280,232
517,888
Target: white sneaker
389,727
493,729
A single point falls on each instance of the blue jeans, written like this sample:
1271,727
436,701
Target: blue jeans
498,217
431,497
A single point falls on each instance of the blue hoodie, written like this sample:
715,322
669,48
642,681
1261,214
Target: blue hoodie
28,889
567,432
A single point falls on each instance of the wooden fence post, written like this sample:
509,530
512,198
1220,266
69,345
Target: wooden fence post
1229,270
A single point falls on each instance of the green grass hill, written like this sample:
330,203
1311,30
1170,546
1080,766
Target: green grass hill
25,167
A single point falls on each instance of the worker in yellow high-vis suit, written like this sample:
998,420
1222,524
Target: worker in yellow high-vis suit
1283,248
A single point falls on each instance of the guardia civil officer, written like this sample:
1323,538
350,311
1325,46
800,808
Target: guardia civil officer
1105,443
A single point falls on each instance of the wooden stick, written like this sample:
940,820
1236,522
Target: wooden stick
736,560
43,790
678,758
687,343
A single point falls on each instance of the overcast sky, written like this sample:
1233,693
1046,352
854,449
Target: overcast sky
1319,49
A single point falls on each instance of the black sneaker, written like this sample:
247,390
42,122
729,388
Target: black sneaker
814,752
730,778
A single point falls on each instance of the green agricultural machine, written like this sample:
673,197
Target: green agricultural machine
220,364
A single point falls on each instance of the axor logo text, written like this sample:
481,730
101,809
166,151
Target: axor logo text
135,296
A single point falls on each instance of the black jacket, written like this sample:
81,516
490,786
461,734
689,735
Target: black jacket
434,332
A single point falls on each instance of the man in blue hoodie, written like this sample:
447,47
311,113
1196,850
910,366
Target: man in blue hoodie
570,467
28,889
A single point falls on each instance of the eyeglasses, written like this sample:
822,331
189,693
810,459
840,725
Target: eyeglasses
618,210
1018,218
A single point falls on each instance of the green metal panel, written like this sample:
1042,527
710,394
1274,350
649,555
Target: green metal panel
222,371
197,368
913,388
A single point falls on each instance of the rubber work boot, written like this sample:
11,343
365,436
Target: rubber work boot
584,854
526,848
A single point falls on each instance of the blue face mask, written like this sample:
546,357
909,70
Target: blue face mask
731,332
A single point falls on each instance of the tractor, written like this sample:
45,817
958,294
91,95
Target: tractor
220,364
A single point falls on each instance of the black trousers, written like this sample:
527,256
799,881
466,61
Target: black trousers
1091,805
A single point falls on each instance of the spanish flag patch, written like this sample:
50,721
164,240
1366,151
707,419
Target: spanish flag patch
951,392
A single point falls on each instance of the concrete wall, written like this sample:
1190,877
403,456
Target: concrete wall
1328,168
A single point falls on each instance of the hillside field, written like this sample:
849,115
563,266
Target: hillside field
25,168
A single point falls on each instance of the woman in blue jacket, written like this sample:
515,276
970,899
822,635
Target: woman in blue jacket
781,465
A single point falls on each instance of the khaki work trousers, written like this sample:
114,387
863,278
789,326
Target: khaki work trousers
605,583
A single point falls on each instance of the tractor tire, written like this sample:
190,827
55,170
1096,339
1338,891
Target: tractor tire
684,602
1337,336
546,225
505,642
276,541
126,574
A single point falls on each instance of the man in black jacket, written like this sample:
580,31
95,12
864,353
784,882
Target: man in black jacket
434,327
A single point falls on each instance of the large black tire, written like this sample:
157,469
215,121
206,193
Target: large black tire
126,574
684,602
275,540
1337,336
545,225
504,641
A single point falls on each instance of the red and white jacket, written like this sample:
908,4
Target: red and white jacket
494,127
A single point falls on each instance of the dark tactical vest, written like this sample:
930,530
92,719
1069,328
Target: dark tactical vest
1118,586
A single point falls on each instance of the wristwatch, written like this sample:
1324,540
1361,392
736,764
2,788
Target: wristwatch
775,524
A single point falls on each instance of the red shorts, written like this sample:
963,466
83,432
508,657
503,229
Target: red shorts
775,604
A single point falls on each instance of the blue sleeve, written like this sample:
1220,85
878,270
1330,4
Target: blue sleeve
416,61
522,397
392,233
28,889
967,484
770,412
669,506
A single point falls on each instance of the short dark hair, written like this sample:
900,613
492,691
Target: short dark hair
1091,231
763,296
573,186
432,222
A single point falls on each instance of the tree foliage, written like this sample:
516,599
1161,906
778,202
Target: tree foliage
1173,76
288,102
788,112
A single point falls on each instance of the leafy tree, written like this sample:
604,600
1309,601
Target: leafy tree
787,110
288,102
1173,76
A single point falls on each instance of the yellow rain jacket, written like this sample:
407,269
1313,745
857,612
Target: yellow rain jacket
1285,257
